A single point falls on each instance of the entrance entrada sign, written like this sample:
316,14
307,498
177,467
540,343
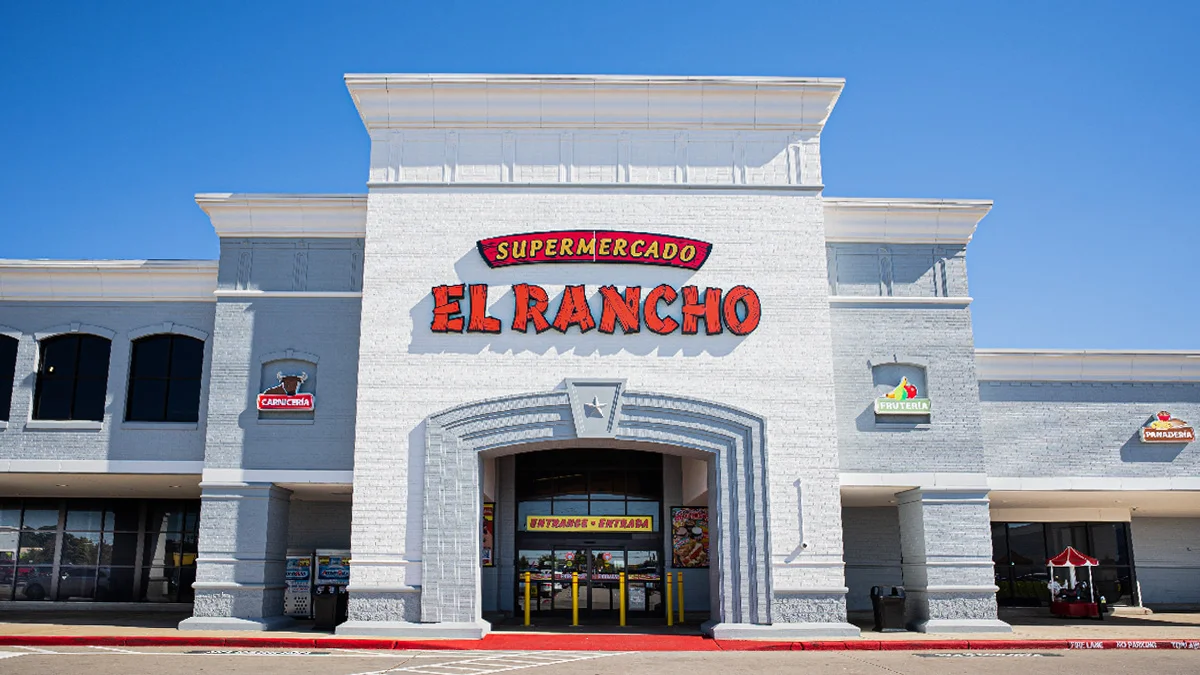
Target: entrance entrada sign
589,523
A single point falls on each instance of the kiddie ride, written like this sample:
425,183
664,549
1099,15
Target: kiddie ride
1078,598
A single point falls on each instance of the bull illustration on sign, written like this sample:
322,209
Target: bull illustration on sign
286,394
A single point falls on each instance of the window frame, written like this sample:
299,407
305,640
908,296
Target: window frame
6,392
40,376
169,379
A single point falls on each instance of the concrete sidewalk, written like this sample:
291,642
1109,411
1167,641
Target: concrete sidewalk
1027,625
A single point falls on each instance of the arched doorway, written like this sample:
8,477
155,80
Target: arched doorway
595,413
584,515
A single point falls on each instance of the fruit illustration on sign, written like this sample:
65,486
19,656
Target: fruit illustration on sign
903,391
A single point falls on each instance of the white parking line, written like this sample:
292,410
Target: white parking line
479,664
114,649
9,655
38,650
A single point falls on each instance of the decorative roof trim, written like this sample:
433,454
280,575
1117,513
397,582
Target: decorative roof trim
392,101
1031,365
107,280
903,221
285,215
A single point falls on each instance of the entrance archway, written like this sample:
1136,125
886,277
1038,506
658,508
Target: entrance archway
595,409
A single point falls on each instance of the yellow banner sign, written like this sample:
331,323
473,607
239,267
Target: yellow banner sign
589,523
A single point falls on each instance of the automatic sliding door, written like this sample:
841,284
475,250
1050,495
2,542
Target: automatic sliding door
604,581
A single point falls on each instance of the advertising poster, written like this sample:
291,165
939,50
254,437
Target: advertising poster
689,536
489,531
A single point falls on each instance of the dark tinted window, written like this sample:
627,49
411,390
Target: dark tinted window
8,369
164,379
72,378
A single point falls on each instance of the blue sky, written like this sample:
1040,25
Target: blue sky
1078,118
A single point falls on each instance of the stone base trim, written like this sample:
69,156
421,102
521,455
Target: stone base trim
232,623
961,626
474,630
779,631
817,606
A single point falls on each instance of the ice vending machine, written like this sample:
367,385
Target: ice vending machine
333,567
297,597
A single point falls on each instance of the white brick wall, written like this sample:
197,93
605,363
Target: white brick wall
771,241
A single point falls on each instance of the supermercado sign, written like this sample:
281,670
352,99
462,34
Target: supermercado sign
589,523
594,246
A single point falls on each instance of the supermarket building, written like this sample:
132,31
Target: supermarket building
576,324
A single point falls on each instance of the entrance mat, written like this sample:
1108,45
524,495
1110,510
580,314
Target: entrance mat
582,642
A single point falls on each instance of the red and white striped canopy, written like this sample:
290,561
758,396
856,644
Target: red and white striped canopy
1072,558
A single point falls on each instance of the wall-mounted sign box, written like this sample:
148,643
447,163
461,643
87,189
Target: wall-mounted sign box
902,400
285,395
1166,429
589,523
594,246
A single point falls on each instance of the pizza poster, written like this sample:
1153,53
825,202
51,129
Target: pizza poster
689,536
489,531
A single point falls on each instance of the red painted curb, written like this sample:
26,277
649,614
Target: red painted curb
585,642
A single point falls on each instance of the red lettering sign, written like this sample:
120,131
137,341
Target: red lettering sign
594,246
296,403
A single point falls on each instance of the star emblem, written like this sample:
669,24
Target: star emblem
596,405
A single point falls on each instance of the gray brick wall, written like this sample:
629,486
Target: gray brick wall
941,340
872,551
1166,553
291,264
250,330
1084,429
901,270
313,525
112,442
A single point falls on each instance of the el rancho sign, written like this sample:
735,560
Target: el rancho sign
463,308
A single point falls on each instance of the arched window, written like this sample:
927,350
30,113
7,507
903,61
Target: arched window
72,378
164,379
8,371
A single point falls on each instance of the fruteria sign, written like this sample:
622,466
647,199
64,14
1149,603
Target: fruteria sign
662,309
589,523
902,400
1166,429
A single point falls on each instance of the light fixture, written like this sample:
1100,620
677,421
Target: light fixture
61,485
172,486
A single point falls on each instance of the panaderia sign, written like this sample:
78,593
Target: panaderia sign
713,310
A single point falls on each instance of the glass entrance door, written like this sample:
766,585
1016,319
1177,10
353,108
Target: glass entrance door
604,580
598,570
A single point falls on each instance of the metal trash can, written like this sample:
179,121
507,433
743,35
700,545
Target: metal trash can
330,604
888,607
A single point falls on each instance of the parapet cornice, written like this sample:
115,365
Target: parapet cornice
285,215
903,221
1036,365
395,101
108,280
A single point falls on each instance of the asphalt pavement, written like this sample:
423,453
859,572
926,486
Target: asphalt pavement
191,661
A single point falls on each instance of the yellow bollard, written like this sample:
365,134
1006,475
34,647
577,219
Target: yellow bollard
574,598
527,598
670,608
679,592
621,589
